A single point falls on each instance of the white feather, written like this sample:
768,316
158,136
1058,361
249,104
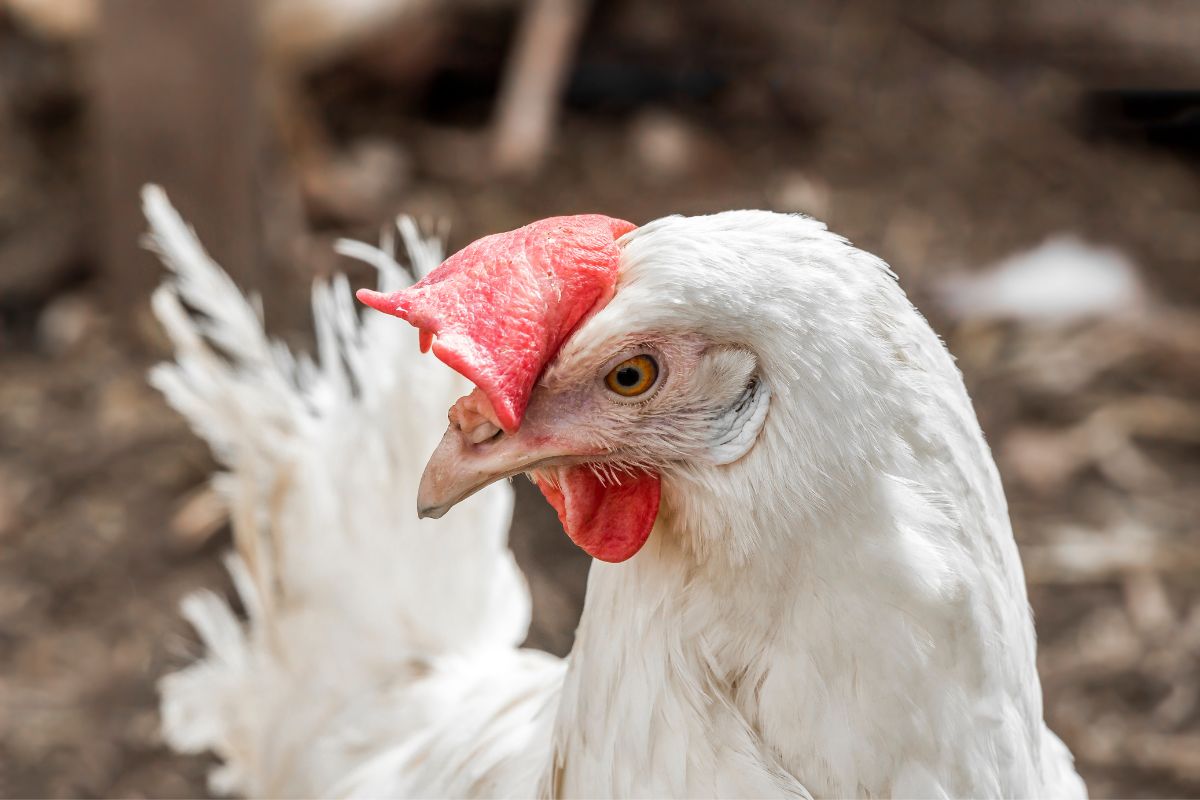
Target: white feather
352,601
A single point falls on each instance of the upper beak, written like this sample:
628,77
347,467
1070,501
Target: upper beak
459,467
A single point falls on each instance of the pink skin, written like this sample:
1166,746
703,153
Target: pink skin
497,312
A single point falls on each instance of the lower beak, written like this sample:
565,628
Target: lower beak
458,467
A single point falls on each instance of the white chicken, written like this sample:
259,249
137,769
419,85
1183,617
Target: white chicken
818,596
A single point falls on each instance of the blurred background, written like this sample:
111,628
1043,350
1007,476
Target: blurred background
1030,168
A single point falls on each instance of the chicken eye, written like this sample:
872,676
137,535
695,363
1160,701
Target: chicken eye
633,376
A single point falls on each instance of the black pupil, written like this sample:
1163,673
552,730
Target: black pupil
629,376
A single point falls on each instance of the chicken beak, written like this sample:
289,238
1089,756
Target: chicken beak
459,467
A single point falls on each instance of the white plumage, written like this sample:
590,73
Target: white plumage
838,612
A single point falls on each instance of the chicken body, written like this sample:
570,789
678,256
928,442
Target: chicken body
835,608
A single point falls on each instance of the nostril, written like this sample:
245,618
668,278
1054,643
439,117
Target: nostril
472,417
483,432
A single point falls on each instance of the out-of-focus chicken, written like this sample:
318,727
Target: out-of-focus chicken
805,576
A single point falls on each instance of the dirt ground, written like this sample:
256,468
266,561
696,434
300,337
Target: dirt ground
941,141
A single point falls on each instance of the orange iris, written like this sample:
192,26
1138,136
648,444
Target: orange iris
633,376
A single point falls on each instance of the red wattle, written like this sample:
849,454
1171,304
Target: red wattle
610,522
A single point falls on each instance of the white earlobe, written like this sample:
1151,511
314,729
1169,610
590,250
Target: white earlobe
736,430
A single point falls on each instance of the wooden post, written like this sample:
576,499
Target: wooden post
176,103
534,79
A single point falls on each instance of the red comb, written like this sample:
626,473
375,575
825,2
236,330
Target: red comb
502,306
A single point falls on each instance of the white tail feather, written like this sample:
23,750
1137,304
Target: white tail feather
348,595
